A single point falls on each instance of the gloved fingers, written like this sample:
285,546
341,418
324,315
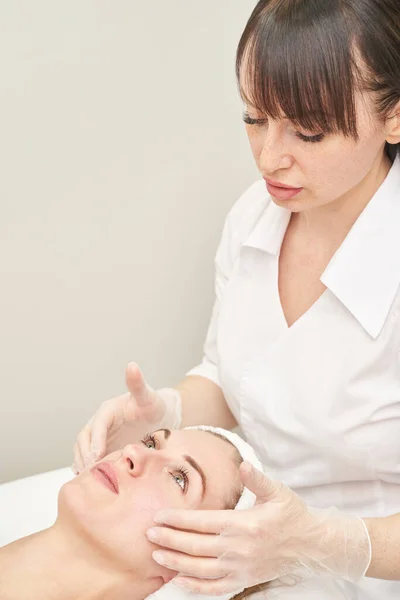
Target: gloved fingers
101,424
194,544
263,487
189,565
210,587
200,521
78,464
245,524
137,385
82,448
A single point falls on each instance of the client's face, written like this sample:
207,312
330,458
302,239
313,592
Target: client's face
113,504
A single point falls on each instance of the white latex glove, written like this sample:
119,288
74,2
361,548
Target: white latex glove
218,552
127,418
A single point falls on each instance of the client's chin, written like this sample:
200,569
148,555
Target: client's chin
91,513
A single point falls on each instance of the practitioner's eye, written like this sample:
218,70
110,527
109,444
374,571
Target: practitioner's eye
313,139
181,476
150,441
250,121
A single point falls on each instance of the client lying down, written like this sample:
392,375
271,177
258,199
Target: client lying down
97,548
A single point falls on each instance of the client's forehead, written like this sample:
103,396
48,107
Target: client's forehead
203,442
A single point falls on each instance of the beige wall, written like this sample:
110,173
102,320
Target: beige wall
121,151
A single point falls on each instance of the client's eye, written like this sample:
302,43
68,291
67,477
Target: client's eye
181,476
150,441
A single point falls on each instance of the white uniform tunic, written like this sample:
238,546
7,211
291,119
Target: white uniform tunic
319,401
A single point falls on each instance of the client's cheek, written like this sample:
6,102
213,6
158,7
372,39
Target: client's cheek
144,505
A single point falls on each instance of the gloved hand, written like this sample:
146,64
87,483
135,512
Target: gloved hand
124,419
281,538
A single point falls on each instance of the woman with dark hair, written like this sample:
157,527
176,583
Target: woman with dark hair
303,349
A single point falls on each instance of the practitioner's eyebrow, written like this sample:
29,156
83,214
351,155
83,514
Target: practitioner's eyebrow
192,462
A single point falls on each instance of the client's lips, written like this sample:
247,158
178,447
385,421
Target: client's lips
107,474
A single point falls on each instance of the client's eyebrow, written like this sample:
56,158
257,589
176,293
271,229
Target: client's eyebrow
192,462
167,433
200,471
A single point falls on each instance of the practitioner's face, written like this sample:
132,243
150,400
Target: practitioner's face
160,472
325,167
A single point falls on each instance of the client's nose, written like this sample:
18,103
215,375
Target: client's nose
137,458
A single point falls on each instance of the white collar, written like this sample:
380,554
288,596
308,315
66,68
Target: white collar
270,229
364,273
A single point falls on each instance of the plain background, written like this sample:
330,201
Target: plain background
122,150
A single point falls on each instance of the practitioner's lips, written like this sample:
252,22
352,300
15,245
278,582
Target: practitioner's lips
106,473
282,191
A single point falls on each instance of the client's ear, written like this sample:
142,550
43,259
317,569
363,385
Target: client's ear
167,575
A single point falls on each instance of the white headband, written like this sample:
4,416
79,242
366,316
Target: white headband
247,500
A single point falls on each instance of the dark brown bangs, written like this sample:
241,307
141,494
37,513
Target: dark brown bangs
295,60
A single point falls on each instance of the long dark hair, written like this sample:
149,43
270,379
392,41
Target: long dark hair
307,59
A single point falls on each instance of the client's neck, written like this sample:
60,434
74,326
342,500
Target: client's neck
52,565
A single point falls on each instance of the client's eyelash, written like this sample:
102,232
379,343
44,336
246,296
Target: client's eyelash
151,439
185,476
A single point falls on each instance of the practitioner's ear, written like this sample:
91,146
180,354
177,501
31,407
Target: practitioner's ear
393,126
